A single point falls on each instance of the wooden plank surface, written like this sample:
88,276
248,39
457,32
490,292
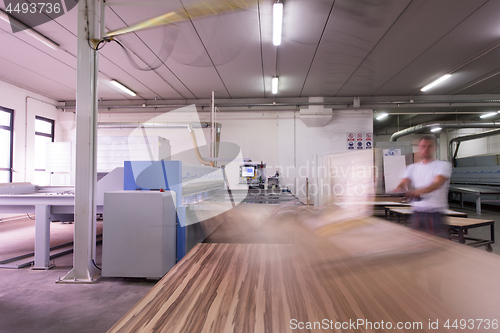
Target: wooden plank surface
262,287
374,203
461,222
409,211
367,269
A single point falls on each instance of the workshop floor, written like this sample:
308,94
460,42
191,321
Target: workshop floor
31,301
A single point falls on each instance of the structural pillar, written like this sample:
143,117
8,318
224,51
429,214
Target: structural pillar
84,269
42,237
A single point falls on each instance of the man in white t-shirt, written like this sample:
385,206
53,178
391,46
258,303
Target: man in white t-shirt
430,179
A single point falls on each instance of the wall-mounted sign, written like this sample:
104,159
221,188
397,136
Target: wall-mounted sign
359,140
392,152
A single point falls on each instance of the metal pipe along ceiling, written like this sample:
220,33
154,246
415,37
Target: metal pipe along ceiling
443,124
125,125
387,103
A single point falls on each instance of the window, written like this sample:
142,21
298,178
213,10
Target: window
44,132
6,144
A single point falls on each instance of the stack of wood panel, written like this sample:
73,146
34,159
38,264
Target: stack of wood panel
375,274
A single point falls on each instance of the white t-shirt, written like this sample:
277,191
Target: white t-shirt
423,175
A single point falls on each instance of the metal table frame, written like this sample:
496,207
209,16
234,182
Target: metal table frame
393,211
463,229
47,207
475,190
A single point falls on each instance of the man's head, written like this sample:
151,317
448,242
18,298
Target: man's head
427,147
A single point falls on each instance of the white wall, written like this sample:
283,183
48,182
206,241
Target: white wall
26,106
488,145
442,139
279,139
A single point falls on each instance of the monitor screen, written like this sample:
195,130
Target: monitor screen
247,171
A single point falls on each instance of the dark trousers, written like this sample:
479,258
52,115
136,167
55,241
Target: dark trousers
430,222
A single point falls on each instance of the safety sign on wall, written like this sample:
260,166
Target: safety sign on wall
351,141
356,140
368,141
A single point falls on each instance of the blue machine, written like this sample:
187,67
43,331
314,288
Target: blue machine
186,181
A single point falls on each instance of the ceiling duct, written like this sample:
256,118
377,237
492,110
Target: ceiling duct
443,125
316,115
295,103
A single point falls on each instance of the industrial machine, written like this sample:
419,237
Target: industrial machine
139,234
48,203
273,182
253,174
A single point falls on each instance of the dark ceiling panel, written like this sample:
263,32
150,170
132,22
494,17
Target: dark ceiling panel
421,25
36,60
178,46
235,52
17,74
267,47
157,80
115,65
302,29
477,33
369,47
490,84
354,28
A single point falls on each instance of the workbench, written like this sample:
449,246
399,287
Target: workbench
461,226
47,206
379,207
405,212
477,190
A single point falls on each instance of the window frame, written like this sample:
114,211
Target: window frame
51,135
10,128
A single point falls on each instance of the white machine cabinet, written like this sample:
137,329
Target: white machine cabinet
139,234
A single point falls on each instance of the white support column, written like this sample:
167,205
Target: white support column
42,237
212,132
316,181
84,270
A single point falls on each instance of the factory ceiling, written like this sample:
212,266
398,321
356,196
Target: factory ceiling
385,49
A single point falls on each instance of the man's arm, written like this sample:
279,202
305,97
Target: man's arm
403,186
439,181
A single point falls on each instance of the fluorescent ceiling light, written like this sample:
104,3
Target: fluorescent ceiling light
487,115
274,85
438,81
436,129
122,87
277,22
33,33
381,116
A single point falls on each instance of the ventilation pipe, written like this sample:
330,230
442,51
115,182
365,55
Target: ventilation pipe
453,156
316,115
443,125
196,150
188,126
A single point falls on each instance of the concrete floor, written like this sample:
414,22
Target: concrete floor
31,301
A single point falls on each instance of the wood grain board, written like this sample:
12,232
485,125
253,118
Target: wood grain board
261,287
252,287
409,211
460,222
